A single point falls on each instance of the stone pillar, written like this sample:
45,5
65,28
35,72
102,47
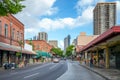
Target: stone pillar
97,54
86,55
91,54
107,61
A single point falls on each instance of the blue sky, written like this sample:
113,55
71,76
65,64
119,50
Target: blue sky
60,17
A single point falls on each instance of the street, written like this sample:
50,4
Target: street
64,70
77,72
48,71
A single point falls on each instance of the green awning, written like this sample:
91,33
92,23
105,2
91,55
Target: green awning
43,54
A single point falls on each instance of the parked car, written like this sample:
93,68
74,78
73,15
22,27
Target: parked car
56,60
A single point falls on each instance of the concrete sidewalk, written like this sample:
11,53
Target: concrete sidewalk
28,65
108,74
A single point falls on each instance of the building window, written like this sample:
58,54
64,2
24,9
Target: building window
13,33
21,36
17,35
6,30
0,27
38,46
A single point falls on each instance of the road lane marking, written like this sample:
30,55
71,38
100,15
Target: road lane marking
14,73
31,75
53,66
42,66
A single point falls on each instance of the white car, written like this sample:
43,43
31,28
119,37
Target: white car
55,60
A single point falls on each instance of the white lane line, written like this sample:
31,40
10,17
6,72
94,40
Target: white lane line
42,66
31,75
53,66
14,73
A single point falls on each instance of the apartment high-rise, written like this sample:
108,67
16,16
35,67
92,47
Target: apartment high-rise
43,36
66,42
104,17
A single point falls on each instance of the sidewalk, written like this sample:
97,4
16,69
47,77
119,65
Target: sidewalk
28,65
108,74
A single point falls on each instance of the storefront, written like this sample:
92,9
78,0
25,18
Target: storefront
12,54
0,59
12,57
115,56
107,47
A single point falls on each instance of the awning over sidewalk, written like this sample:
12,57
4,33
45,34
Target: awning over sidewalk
114,31
42,54
8,47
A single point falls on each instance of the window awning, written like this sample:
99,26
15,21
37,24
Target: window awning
42,54
8,47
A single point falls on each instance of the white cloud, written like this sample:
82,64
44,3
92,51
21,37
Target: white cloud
61,44
118,12
84,4
44,7
29,16
50,24
39,7
34,24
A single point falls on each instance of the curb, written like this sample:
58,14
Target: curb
20,68
106,78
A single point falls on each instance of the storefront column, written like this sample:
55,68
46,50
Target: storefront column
107,60
9,57
91,54
1,58
97,54
86,57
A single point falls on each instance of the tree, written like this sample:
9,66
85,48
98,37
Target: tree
57,51
10,7
21,43
69,50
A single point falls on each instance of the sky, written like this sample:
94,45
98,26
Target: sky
60,18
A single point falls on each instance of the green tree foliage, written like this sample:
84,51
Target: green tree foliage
21,43
10,7
30,43
57,51
69,50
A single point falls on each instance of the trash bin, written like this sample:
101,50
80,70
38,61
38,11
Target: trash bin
6,66
12,65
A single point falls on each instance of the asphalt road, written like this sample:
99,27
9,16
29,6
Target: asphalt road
48,71
77,72
64,70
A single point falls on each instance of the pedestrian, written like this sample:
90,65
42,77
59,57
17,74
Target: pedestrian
85,61
91,62
95,61
25,62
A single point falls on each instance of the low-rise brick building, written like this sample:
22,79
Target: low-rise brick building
11,30
40,45
12,40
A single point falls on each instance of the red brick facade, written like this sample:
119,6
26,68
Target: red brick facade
40,45
14,32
